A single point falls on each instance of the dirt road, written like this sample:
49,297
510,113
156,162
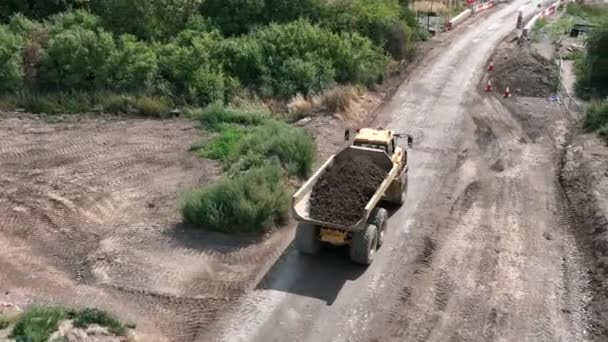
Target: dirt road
481,251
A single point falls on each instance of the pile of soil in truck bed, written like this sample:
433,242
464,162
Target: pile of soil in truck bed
342,192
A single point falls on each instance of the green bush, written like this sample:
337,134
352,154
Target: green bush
37,324
79,58
88,316
323,55
146,19
11,73
235,17
299,75
22,25
216,117
72,19
135,65
291,147
185,62
240,57
252,202
596,116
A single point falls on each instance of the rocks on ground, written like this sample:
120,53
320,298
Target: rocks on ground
93,333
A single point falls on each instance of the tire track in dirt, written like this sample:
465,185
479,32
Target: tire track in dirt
98,201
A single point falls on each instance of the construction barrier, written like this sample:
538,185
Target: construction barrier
483,6
462,16
550,10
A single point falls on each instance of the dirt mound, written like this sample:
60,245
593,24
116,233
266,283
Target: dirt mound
525,72
343,191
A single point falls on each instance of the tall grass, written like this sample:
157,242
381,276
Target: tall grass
37,324
259,153
244,135
83,102
596,119
251,202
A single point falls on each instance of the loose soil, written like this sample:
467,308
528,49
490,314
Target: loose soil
342,192
524,71
89,216
585,180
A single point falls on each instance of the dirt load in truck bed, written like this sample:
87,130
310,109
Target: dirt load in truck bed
342,192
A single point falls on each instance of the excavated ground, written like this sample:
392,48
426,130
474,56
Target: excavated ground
524,71
341,194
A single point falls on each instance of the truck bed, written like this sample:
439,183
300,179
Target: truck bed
301,199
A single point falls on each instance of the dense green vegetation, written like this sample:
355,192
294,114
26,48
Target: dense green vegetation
147,57
38,323
596,119
592,66
259,153
196,52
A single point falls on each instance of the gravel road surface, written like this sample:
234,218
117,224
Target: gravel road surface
481,251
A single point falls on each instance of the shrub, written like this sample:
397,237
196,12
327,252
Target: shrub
188,57
234,16
137,17
88,316
215,117
292,147
303,76
135,65
240,57
596,117
72,19
11,73
37,324
22,25
300,49
79,58
207,85
250,202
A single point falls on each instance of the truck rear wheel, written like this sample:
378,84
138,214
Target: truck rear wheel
307,238
379,218
364,244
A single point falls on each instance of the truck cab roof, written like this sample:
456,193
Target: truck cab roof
374,136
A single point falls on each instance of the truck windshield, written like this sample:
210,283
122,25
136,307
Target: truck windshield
378,147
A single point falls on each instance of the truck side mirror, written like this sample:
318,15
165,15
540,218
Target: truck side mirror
410,141
347,135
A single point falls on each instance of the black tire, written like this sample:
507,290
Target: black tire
364,244
379,218
307,238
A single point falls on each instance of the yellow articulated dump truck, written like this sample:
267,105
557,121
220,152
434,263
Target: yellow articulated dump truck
340,204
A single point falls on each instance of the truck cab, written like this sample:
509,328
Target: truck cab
385,140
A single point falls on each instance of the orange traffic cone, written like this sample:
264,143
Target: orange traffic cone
491,67
489,86
507,92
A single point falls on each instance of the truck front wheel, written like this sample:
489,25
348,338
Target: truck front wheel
364,244
307,238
